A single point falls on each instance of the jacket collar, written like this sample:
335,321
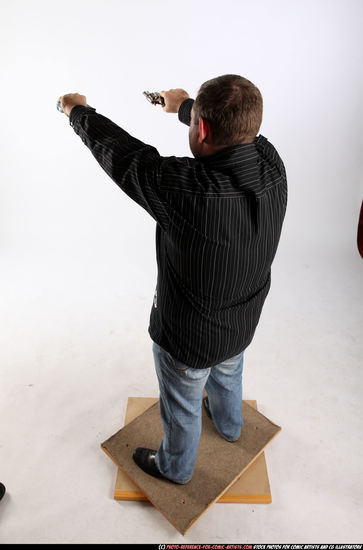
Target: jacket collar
235,153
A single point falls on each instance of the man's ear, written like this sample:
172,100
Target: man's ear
204,130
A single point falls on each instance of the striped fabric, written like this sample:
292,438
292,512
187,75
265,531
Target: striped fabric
219,221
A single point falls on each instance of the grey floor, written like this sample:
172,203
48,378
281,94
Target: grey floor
70,359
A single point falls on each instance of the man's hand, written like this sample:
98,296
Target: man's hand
173,99
68,101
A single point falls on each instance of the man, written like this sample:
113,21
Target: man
219,217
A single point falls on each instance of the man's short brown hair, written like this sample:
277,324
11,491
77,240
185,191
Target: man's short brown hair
233,107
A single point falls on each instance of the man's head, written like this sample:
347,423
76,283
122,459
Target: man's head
227,111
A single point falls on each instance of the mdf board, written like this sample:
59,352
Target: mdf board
252,487
218,466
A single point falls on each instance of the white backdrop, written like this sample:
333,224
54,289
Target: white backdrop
78,267
304,56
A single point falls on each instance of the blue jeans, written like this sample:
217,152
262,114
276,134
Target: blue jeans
181,393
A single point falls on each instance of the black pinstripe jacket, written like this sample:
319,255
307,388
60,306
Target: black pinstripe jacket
219,221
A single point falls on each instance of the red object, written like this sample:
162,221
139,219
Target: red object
360,232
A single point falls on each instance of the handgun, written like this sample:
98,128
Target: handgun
154,97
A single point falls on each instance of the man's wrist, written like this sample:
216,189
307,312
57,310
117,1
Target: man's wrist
77,111
67,109
185,110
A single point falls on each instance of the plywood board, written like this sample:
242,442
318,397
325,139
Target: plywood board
253,487
218,466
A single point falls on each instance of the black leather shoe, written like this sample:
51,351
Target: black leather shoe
206,406
2,490
145,459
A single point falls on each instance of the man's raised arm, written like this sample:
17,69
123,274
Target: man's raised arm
133,165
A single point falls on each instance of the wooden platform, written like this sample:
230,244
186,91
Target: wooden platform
218,466
252,487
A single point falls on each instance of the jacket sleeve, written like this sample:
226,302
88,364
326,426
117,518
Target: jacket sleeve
184,113
133,165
